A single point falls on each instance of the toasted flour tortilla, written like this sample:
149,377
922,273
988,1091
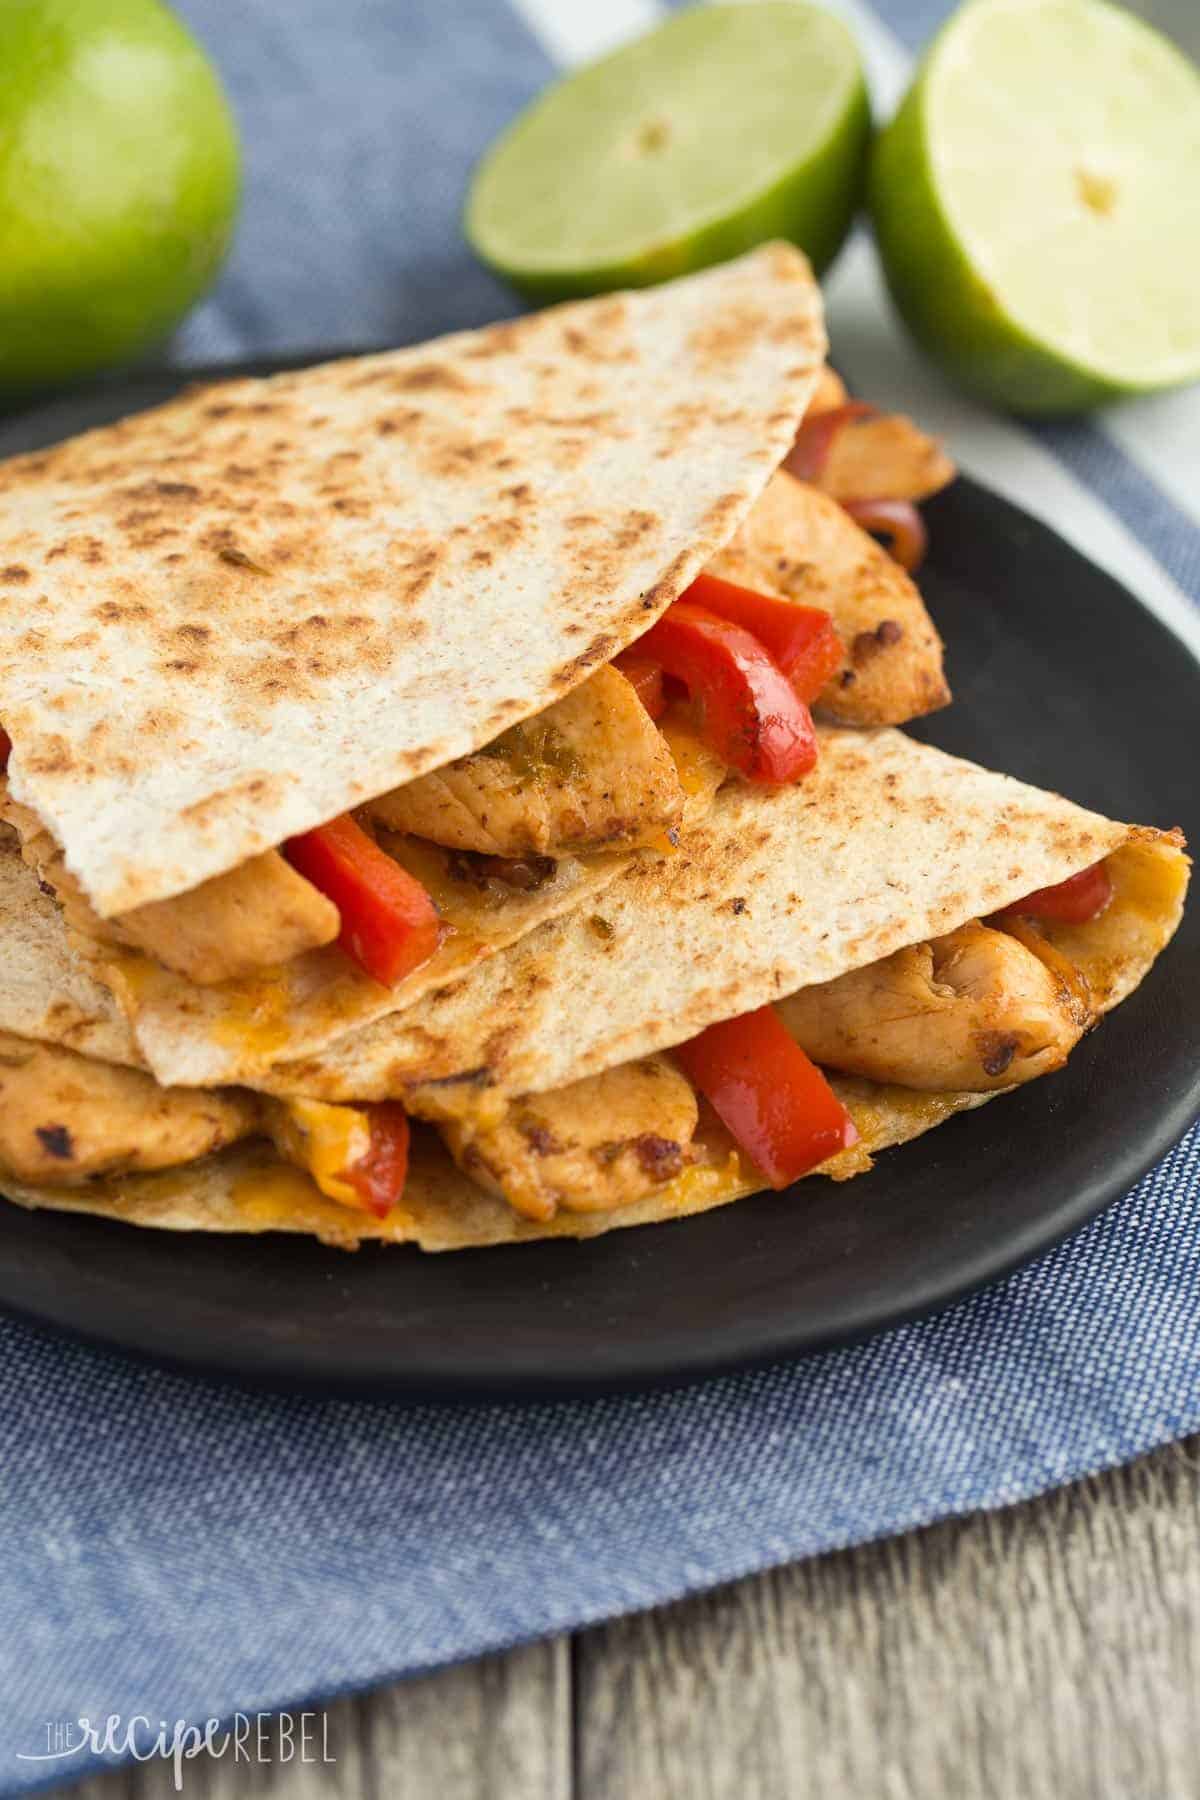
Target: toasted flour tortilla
247,1188
227,620
887,842
796,542
919,844
46,992
235,1031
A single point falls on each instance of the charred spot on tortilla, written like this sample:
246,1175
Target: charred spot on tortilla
539,1137
241,559
659,1156
868,644
480,1077
56,1141
996,1050
478,870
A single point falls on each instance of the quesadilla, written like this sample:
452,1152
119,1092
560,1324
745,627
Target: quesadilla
824,970
319,691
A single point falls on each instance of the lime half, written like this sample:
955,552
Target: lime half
726,126
1037,204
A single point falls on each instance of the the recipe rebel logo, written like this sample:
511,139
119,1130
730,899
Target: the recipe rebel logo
261,1737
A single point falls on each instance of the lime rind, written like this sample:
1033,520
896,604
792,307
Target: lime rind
559,222
947,273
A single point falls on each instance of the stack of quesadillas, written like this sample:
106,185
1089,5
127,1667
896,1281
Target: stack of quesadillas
415,826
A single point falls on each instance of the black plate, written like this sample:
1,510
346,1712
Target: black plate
1060,677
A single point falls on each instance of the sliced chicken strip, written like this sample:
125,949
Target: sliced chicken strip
801,545
974,1010
880,456
590,773
602,1142
237,924
829,392
321,1139
64,1117
250,919
884,456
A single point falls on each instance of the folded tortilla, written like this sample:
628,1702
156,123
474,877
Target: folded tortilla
777,892
237,616
887,842
269,601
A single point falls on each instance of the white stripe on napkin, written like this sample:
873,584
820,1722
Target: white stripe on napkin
578,31
884,364
873,349
1161,433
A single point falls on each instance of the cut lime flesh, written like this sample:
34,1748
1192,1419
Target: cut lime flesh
726,126
1036,204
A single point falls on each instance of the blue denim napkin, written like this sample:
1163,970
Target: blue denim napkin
182,1551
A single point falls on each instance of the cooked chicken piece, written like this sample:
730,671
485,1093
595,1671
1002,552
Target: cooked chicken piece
970,1011
701,771
884,456
250,919
798,543
589,773
64,1117
323,1140
880,456
601,1142
829,392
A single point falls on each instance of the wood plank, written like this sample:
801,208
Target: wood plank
1048,1652
498,1729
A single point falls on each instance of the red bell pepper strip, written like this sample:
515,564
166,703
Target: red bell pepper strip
1080,898
768,1094
378,1177
800,639
899,522
746,709
5,749
646,679
809,454
390,925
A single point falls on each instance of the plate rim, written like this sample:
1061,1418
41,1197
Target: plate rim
290,1366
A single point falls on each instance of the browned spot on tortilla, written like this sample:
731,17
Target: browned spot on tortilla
163,490
540,1138
14,572
461,456
436,375
53,757
668,585
868,644
56,1141
996,1050
660,1157
726,339
568,673
254,788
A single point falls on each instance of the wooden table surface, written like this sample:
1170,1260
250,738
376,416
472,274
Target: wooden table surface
1047,1652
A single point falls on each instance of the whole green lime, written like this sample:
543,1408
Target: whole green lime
118,182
